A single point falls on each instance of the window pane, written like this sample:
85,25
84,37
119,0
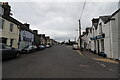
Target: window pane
0,23
102,44
3,22
11,27
7,47
11,42
0,46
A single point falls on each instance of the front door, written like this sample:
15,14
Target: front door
98,47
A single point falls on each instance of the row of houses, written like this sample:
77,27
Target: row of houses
104,36
17,34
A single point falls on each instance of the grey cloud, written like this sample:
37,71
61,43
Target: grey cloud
59,19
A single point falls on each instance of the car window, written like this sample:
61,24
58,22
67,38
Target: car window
6,47
30,47
1,46
34,47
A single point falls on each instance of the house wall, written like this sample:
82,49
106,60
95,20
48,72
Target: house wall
42,39
107,40
92,41
88,40
10,35
114,36
1,10
99,46
92,45
119,33
26,38
36,40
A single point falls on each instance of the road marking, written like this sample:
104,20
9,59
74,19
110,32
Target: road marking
83,65
105,60
103,65
79,52
111,70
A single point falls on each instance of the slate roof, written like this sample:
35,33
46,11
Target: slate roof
22,26
115,12
105,19
11,19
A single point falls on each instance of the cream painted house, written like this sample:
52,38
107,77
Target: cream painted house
9,27
10,33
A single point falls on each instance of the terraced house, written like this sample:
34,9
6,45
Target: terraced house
103,37
26,36
9,27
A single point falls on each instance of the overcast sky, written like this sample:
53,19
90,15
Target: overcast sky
59,20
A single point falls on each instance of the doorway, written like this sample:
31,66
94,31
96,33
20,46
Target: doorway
98,48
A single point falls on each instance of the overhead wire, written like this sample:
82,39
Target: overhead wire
83,8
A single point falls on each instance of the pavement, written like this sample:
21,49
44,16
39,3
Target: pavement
59,61
97,57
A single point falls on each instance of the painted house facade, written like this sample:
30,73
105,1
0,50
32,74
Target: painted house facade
37,40
104,35
93,33
47,40
42,39
9,27
114,23
26,36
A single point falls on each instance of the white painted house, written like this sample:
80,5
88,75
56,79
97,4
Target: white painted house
103,37
93,35
113,24
109,26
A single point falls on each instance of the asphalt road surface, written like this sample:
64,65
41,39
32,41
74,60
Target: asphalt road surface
57,62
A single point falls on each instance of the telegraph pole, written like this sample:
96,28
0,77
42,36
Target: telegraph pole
80,33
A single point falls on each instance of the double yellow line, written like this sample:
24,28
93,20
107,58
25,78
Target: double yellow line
99,59
106,60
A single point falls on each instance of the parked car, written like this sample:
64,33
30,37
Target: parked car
30,48
27,49
34,48
75,47
50,45
41,47
8,52
47,46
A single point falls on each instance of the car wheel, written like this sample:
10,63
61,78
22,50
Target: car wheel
28,51
18,55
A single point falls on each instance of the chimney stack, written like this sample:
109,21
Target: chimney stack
27,25
95,20
36,31
6,8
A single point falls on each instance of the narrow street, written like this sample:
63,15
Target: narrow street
57,62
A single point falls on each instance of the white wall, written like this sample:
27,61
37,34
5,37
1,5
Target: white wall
114,27
119,33
107,40
1,10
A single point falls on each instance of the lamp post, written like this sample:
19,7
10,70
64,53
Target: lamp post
80,33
